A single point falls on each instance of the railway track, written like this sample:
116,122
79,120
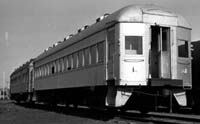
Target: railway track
161,118
127,117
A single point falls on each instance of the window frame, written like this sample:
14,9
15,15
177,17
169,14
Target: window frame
178,52
100,52
128,51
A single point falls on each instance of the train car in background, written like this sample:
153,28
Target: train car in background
195,75
21,82
130,59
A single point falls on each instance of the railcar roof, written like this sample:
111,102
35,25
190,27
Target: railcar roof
22,67
132,13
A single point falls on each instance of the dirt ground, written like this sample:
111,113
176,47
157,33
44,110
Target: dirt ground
10,113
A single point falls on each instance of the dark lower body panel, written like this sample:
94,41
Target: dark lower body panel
90,96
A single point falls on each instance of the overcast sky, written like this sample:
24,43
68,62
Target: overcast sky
27,27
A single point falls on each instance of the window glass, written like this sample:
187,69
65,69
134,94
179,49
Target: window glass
58,65
48,69
70,62
93,54
62,64
165,38
40,72
41,69
133,45
83,54
74,60
80,58
86,56
183,50
35,74
44,70
53,68
77,60
66,62
100,51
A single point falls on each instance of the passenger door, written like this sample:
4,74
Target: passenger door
160,64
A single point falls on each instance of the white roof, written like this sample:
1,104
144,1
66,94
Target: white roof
135,13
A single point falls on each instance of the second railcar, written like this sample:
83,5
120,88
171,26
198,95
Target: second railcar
21,82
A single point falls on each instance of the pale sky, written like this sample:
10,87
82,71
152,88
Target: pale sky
27,27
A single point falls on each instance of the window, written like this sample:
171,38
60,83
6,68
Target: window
57,66
48,72
53,68
100,51
165,38
86,56
83,54
70,62
37,73
183,50
93,54
77,60
66,62
45,70
133,45
46,67
80,58
62,64
74,60
40,71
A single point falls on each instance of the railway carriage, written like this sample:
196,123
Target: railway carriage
123,60
21,82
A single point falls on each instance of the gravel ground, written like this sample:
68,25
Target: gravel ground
11,113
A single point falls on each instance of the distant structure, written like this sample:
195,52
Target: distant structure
4,89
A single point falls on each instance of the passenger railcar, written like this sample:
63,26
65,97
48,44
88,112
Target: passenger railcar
21,82
128,59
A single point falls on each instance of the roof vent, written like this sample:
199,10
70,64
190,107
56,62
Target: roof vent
102,17
86,26
69,36
46,49
99,19
106,15
81,29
